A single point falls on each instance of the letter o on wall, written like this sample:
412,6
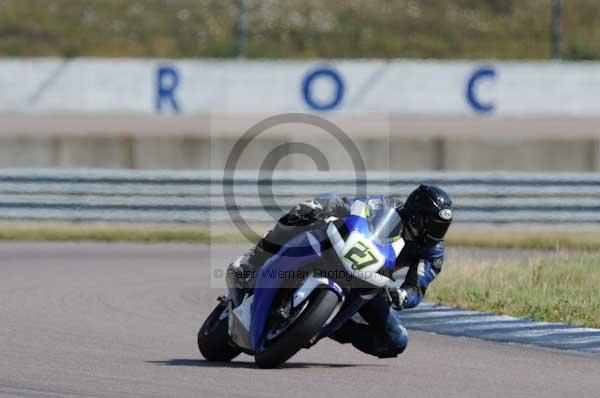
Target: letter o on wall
323,73
485,72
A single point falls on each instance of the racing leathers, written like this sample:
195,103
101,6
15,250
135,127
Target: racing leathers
380,331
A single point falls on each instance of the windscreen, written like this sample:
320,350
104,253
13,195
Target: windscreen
384,222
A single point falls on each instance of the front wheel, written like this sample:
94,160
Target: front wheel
274,352
213,338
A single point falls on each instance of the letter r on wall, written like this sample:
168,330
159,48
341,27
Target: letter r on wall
167,81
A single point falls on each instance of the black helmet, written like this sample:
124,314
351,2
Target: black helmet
427,214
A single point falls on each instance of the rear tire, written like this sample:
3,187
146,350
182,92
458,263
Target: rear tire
213,338
322,303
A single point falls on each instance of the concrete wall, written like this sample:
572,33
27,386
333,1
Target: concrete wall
396,154
386,142
426,88
402,115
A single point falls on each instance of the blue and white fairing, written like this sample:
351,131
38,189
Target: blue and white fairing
371,245
373,241
295,255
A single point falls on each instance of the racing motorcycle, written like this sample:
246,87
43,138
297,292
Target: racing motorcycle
315,283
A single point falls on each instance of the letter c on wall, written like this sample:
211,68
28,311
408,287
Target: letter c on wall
485,72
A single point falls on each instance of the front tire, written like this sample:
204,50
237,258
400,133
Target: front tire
298,335
213,338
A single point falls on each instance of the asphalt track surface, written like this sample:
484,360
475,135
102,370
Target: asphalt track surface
120,320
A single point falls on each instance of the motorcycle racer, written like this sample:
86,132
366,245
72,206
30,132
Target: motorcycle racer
426,216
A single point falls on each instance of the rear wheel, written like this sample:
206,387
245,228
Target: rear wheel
213,338
281,342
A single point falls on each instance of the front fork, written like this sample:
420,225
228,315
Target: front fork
308,288
240,314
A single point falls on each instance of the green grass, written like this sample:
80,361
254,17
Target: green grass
555,240
501,29
561,289
106,233
537,239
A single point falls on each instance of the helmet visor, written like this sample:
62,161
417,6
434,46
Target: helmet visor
435,230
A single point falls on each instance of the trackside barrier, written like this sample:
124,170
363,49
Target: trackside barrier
198,196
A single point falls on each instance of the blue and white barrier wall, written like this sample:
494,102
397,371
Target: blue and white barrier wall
428,88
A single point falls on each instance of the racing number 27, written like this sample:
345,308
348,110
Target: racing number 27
360,256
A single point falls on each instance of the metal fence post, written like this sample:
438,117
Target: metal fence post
241,29
557,28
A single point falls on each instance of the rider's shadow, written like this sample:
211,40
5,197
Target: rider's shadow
252,365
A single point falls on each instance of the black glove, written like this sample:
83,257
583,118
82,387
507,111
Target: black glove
396,296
